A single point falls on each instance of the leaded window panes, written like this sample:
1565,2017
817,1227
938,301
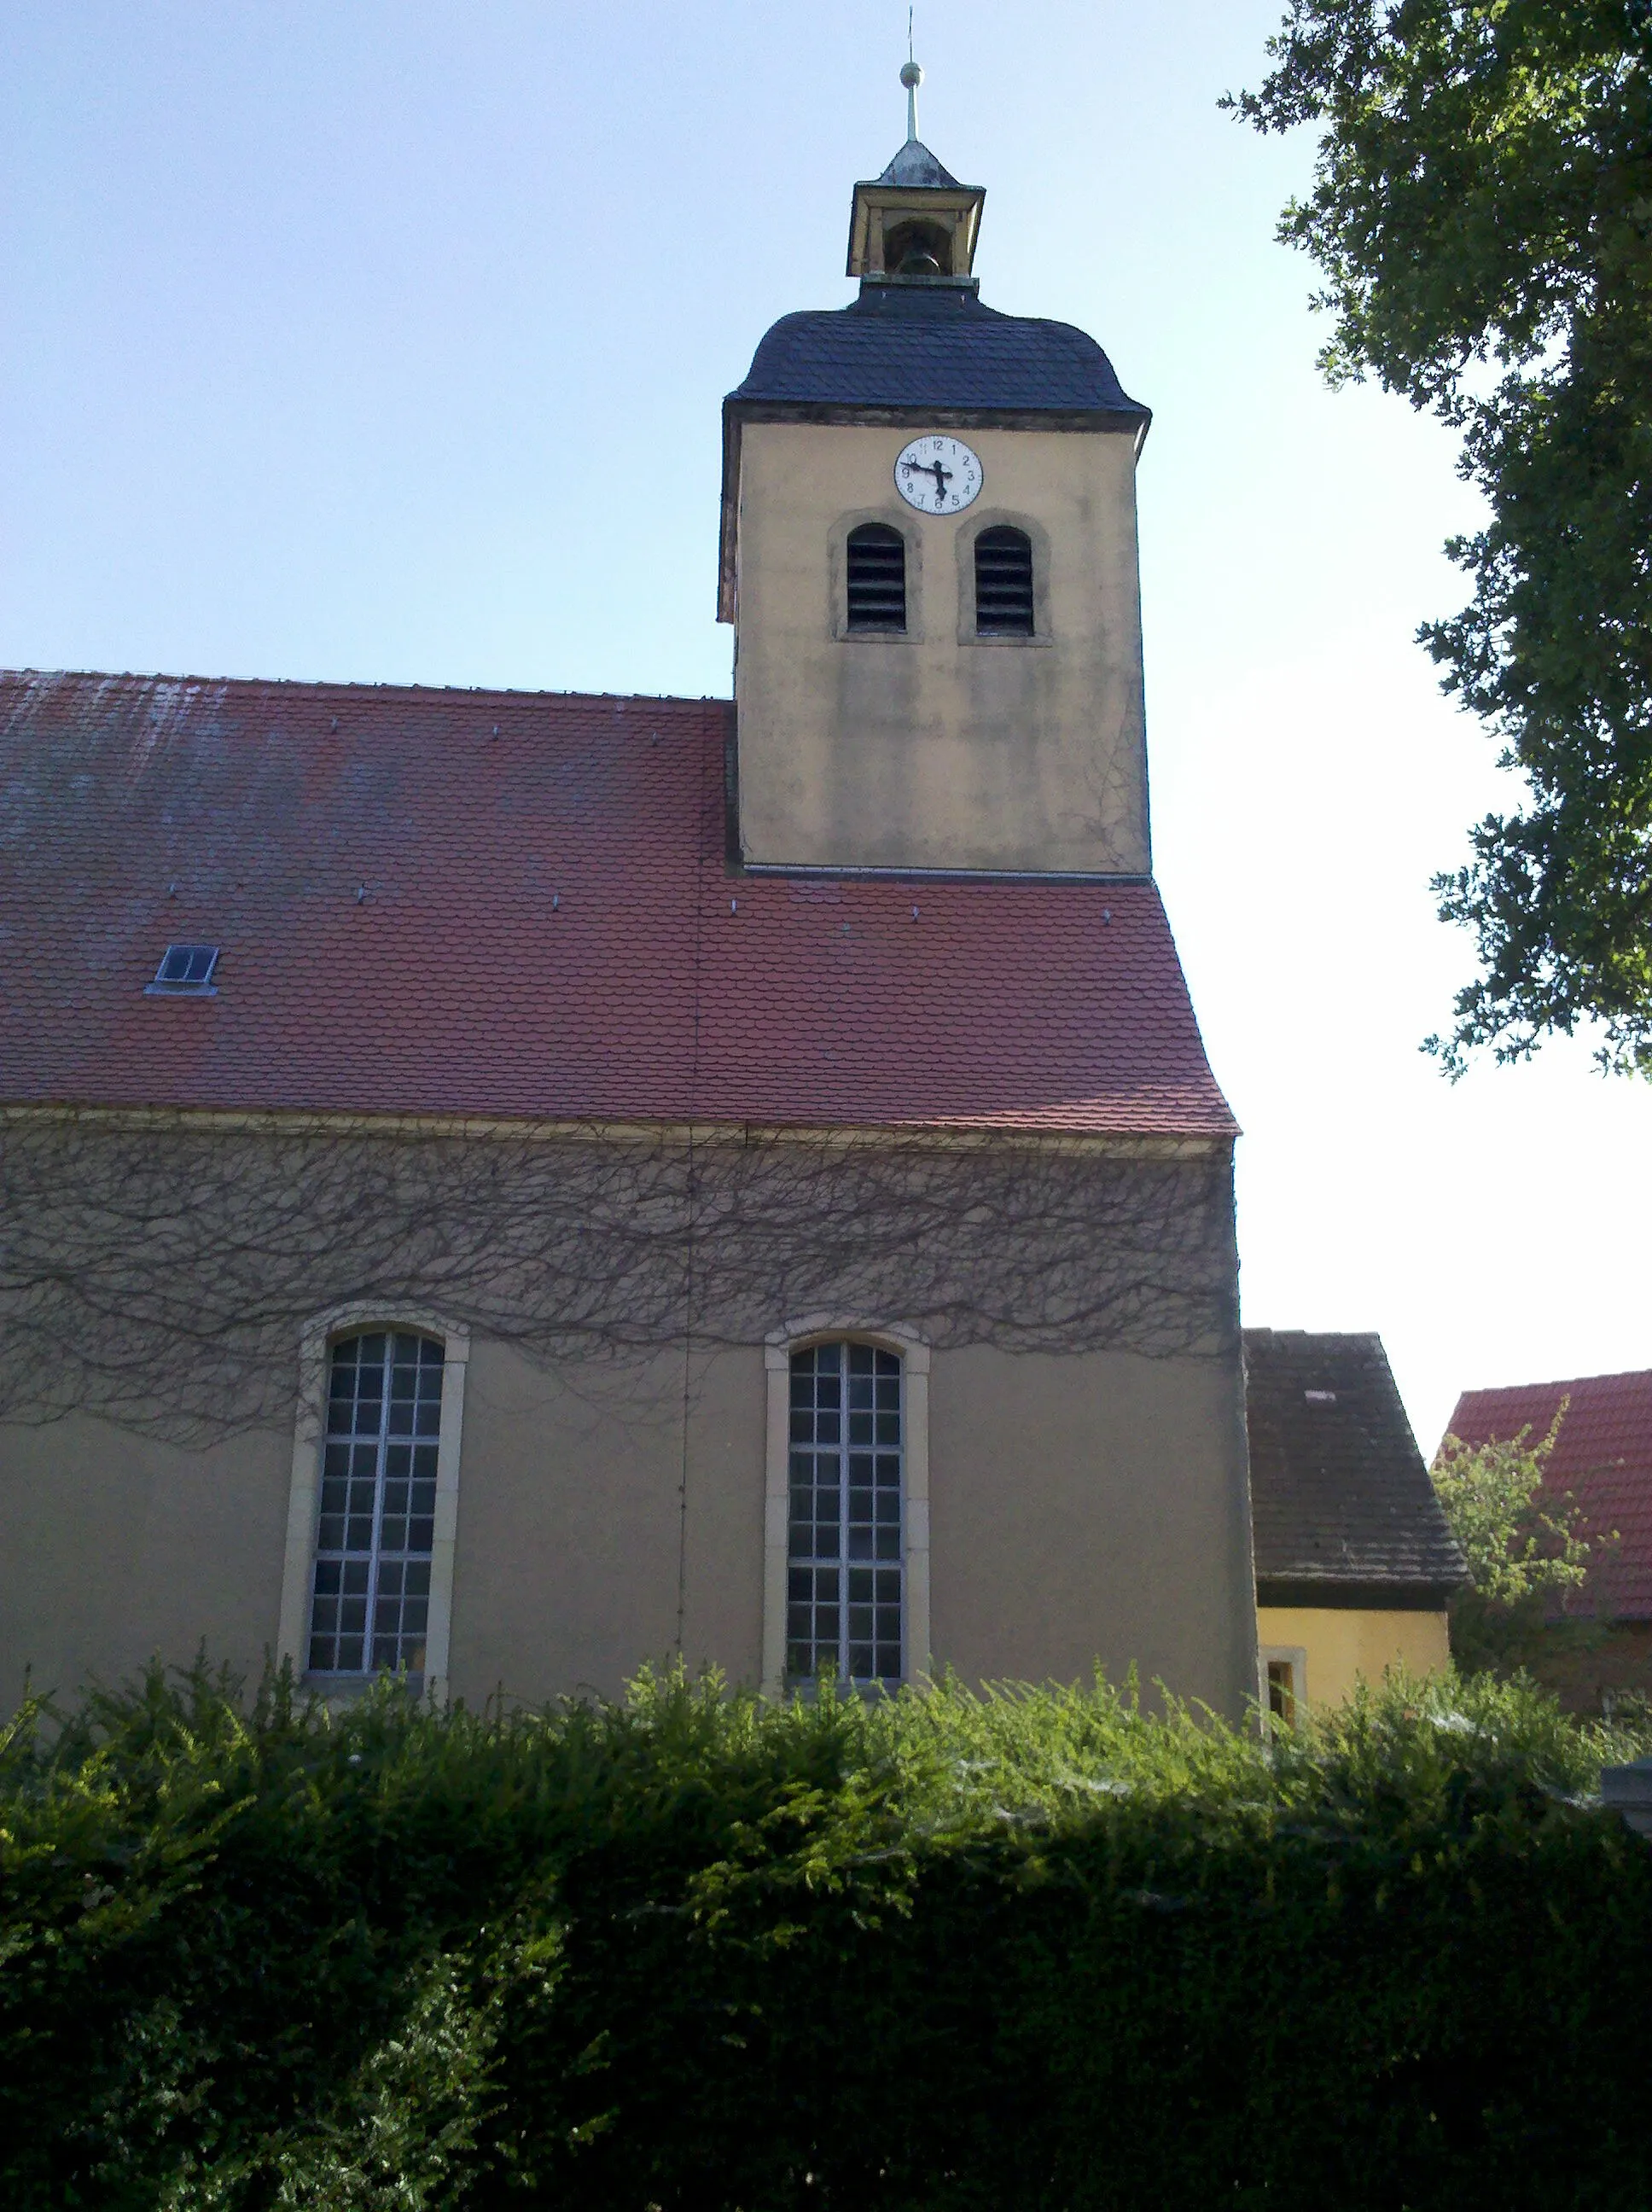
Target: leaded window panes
845,1566
377,1526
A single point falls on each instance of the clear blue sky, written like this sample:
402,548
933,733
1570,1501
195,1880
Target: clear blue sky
381,341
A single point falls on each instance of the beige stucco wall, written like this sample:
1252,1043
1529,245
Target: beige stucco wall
1345,1645
934,749
1083,1507
570,1518
1092,1508
113,1546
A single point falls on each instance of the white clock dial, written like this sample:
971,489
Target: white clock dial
937,475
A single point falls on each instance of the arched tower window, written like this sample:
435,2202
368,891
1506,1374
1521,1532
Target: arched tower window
845,1568
1004,583
877,579
376,1527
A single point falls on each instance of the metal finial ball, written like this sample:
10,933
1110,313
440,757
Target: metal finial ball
911,75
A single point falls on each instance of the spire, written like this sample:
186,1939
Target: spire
915,219
912,77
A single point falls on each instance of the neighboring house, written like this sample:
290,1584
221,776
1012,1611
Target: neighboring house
507,1187
1355,1565
1602,1458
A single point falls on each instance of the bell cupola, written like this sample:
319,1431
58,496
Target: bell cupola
914,222
929,557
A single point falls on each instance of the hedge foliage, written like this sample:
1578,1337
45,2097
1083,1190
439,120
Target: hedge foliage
1039,1948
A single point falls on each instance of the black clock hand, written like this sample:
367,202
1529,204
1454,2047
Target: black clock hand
938,470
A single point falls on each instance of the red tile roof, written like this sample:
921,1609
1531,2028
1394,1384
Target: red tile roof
419,915
1603,1456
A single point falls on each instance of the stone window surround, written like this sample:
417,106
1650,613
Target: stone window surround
998,518
778,1348
316,1342
896,516
1294,1655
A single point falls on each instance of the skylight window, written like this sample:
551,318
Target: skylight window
1321,1397
186,970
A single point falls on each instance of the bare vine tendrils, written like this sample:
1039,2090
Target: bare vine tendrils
157,1271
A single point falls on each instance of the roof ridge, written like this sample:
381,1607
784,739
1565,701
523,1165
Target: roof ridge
138,679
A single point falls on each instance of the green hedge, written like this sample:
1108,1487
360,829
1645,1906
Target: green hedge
1039,1949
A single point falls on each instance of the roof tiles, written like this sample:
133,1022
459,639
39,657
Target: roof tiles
901,346
1342,1508
517,904
1602,1456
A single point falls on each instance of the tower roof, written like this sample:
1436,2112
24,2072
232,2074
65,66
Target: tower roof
916,168
928,347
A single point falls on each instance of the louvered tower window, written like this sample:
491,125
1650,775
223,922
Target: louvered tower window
371,1603
877,579
844,1574
1004,583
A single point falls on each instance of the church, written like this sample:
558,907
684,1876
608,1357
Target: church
506,1188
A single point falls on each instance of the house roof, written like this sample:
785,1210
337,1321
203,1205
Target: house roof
419,916
1343,1510
1602,1456
909,346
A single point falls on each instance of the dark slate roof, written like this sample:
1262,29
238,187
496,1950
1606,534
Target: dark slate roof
934,346
1603,1459
1342,1508
915,168
518,903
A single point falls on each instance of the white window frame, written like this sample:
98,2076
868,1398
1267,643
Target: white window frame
316,1344
914,1350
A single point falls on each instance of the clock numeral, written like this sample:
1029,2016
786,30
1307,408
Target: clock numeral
946,481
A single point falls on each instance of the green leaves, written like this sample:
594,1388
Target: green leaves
1482,211
1528,1552
1035,1948
1518,1543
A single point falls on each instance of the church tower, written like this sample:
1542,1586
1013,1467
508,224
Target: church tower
929,557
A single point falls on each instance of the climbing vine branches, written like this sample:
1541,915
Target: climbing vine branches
157,1270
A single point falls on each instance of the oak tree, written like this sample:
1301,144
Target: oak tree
1482,212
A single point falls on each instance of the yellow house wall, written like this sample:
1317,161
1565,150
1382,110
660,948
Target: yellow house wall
1084,1507
1342,1645
935,750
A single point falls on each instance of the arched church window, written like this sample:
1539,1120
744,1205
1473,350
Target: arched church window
376,1527
877,579
845,1565
1004,583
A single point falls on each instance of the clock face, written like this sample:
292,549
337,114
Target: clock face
937,475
